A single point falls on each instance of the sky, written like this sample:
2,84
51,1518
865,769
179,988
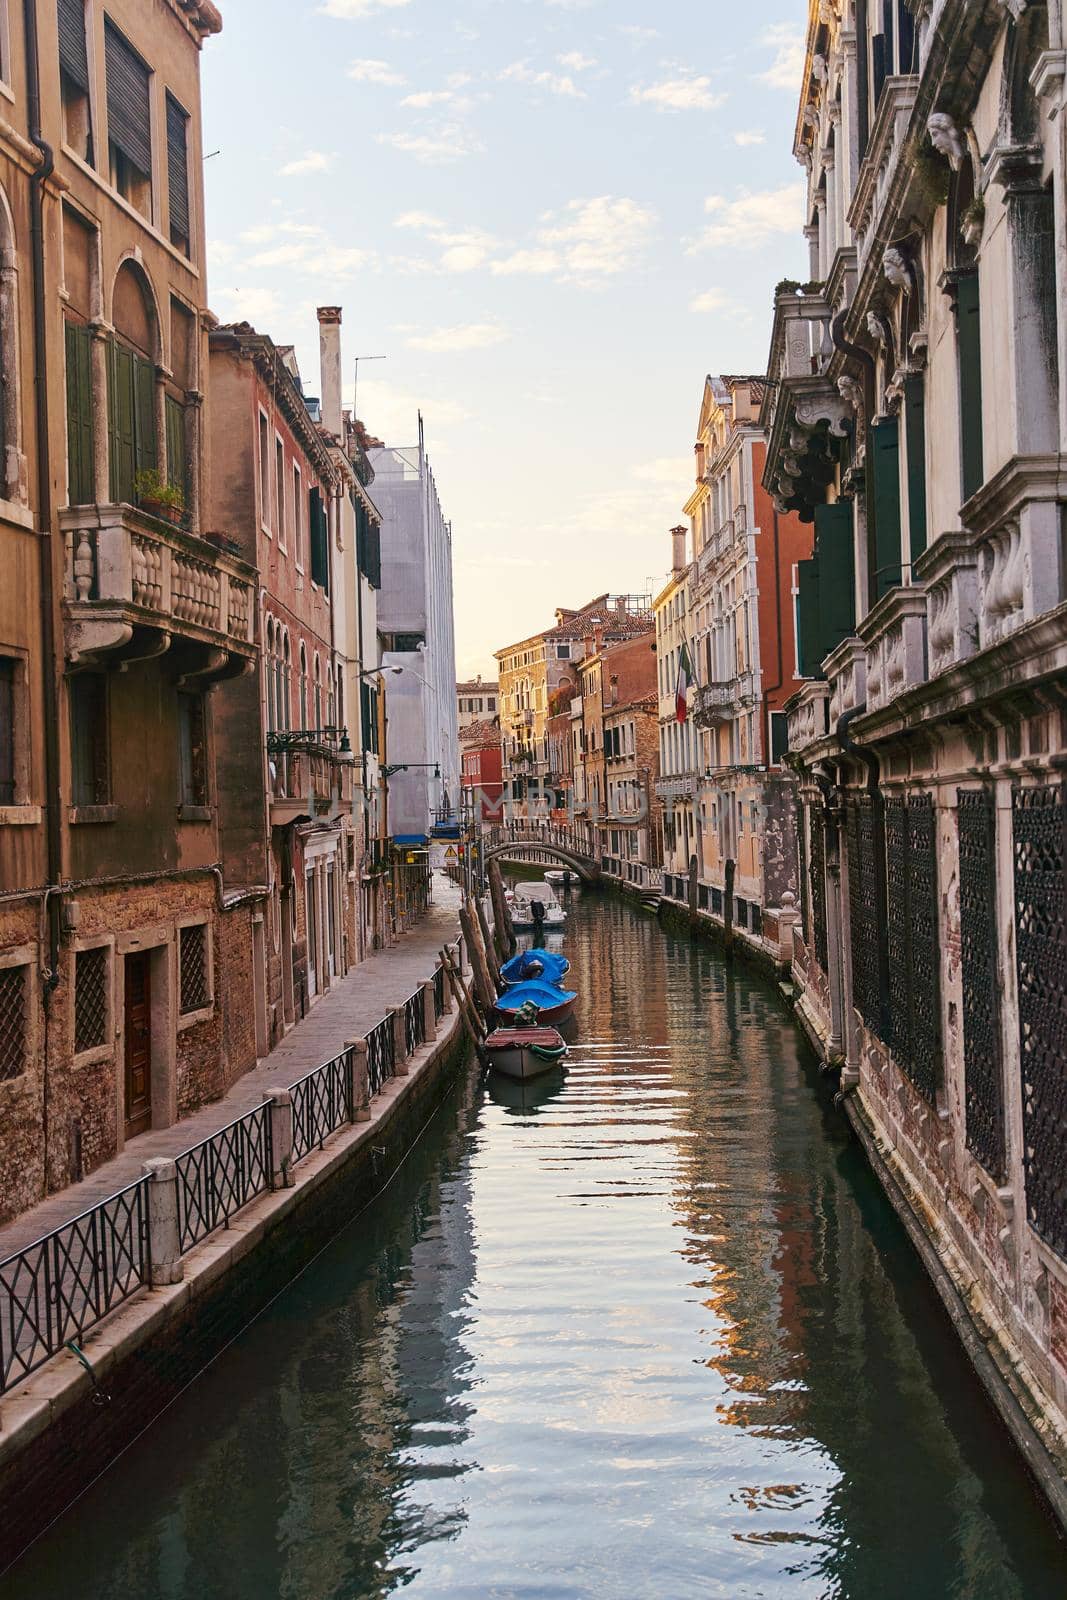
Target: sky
552,217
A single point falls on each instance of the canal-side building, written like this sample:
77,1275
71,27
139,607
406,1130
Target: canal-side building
482,772
123,933
917,413
632,831
742,642
476,701
679,738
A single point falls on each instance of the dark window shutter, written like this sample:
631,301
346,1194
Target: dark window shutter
883,459
129,119
835,551
80,487
809,621
175,414
177,169
969,335
7,731
878,70
915,428
145,416
320,540
73,55
120,423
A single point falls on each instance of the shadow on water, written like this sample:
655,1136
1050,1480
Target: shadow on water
645,1328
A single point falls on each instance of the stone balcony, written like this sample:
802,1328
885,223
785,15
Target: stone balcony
137,587
1003,568
679,786
806,712
846,674
714,703
894,633
310,772
880,163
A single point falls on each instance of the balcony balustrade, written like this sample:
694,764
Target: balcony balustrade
807,715
136,587
880,162
720,702
894,633
846,674
310,769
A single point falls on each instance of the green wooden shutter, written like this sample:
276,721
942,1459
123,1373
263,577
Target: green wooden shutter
883,463
915,430
835,552
969,338
80,486
145,414
175,415
120,421
320,540
809,620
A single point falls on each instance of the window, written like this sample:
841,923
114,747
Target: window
14,1021
129,120
192,750
563,652
174,416
303,689
298,499
264,471
90,764
492,703
90,999
193,968
178,175
8,670
319,533
80,488
74,79
131,419
279,488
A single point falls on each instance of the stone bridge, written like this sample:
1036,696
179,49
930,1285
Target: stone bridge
551,844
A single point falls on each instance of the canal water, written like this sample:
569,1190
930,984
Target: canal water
651,1331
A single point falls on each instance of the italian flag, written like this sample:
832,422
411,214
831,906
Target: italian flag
685,678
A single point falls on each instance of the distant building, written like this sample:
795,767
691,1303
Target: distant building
482,774
416,627
679,749
476,702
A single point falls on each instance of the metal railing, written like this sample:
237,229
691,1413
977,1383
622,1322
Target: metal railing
221,1174
322,1103
64,1283
61,1285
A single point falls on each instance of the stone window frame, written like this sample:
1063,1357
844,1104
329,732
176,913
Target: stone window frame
22,812
264,471
192,1019
105,1051
26,955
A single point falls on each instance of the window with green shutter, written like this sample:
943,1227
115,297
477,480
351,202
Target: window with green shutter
826,589
809,619
915,434
176,460
320,540
80,486
131,419
969,339
883,498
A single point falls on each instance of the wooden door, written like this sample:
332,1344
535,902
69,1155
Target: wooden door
138,1045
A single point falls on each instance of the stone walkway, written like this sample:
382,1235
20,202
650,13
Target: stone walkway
353,1006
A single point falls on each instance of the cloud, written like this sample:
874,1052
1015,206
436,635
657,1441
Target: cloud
423,221
258,306
461,251
536,262
423,98
435,147
747,136
265,231
787,68
601,237
379,72
678,94
638,34
752,218
465,336
356,10
311,161
576,61
522,72
710,300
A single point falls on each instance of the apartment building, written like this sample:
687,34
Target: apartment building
680,751
476,701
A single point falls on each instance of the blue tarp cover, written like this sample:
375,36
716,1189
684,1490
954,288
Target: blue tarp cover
544,995
553,966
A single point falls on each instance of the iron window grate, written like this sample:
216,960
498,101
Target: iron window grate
195,994
90,999
13,1022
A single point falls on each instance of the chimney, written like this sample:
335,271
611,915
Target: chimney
679,537
330,367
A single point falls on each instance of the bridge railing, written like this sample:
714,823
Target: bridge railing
547,834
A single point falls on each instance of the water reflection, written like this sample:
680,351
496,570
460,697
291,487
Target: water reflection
645,1328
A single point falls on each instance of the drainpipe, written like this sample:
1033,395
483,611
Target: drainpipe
53,796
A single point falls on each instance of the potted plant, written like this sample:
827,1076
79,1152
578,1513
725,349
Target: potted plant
158,497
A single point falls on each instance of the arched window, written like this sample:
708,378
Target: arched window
303,688
272,705
286,679
132,359
318,693
11,487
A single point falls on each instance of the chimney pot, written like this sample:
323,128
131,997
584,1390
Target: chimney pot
330,367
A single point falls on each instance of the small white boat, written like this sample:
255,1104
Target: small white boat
522,1053
547,914
562,878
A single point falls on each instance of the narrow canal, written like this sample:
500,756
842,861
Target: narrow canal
655,1333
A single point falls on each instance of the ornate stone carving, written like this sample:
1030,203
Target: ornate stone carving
812,409
946,138
851,391
897,269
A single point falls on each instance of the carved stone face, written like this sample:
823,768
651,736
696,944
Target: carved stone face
875,327
946,138
896,269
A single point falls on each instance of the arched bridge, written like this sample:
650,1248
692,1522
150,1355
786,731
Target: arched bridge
544,844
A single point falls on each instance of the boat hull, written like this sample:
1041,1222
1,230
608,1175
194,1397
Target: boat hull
524,1053
550,1015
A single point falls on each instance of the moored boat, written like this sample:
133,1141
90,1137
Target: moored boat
531,913
553,1004
547,965
525,1052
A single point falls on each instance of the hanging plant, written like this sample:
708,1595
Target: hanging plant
972,222
933,174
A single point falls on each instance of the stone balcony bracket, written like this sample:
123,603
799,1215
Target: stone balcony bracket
948,571
136,587
1015,523
846,673
807,714
894,632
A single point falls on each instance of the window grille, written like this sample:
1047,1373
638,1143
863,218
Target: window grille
14,1021
817,885
983,1067
865,933
914,946
90,999
192,961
